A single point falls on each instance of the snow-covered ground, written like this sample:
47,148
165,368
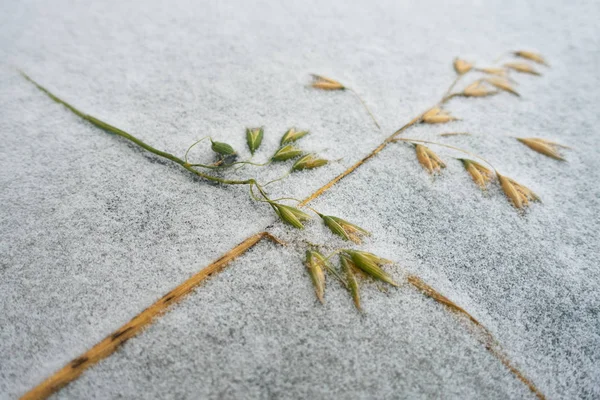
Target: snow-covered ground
92,230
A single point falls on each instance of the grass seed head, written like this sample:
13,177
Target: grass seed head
437,116
254,137
528,55
348,267
480,174
477,89
462,66
502,84
428,159
371,265
292,135
315,263
291,215
309,161
494,71
323,83
286,152
522,67
519,195
344,229
222,148
543,146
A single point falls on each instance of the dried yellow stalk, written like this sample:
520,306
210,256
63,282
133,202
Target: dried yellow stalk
518,194
462,66
480,174
522,67
323,83
428,159
493,71
544,147
536,57
477,89
502,84
437,116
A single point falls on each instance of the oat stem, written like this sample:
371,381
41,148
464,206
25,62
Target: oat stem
189,148
112,129
365,106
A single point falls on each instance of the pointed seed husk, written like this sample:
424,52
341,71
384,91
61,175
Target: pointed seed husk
480,174
437,116
315,262
291,215
286,152
502,84
428,159
462,66
522,67
477,89
494,71
369,264
309,161
348,267
222,148
323,83
292,135
344,229
535,57
519,195
543,146
254,137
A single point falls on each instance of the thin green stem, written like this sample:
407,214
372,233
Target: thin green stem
189,148
112,129
278,179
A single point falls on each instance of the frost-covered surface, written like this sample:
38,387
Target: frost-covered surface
93,230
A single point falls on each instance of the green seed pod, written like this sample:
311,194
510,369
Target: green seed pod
222,148
343,228
286,152
309,161
369,264
254,136
291,215
292,135
334,226
348,268
315,262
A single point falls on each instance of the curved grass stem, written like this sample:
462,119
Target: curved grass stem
112,129
365,106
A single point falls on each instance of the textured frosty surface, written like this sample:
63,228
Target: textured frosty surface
93,230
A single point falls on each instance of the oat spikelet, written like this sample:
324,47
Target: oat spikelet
323,83
349,269
461,66
315,263
522,67
437,116
493,71
502,84
480,174
477,89
428,159
519,195
535,57
544,147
